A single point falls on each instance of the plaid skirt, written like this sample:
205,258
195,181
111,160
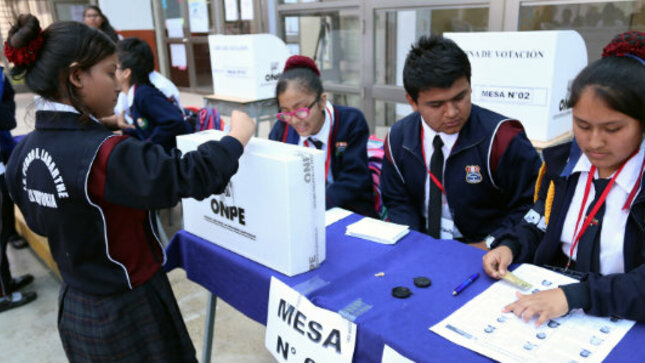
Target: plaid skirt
139,325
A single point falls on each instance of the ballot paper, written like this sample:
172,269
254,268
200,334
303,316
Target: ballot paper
335,214
377,230
480,326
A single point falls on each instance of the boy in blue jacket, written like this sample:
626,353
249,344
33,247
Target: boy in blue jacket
453,169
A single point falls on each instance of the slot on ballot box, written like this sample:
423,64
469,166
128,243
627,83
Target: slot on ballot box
273,209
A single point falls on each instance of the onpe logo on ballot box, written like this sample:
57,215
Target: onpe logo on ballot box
525,75
273,209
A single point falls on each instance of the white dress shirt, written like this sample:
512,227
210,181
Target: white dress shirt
162,83
612,234
448,142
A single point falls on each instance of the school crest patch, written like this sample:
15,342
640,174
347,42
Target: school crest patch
142,123
341,146
473,174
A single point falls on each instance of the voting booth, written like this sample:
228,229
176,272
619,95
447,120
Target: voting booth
246,66
273,209
526,76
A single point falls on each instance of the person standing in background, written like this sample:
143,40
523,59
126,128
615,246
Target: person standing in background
94,18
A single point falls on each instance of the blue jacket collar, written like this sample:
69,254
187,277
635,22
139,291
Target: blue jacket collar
574,155
57,120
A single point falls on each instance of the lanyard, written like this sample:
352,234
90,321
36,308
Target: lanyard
425,162
587,221
331,130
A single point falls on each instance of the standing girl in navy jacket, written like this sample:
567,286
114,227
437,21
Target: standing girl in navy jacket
590,205
154,116
91,192
307,119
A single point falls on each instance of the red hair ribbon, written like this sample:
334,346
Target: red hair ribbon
24,55
300,61
631,42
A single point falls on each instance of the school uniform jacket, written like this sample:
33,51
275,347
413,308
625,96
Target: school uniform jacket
352,185
7,103
155,118
536,239
90,193
488,178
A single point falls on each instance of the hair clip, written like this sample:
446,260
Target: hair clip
635,57
24,55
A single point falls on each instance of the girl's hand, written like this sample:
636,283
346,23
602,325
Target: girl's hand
545,305
242,127
122,123
496,261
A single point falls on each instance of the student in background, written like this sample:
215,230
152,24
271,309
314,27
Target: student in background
453,169
155,118
308,119
7,144
588,216
94,17
160,82
93,195
10,297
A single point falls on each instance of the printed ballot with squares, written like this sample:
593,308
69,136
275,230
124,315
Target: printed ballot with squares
273,209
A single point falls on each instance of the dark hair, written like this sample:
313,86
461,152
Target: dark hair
303,71
64,43
135,54
434,62
618,81
105,27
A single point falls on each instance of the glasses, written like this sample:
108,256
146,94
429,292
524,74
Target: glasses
301,113
92,16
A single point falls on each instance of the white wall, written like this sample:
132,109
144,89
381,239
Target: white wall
128,14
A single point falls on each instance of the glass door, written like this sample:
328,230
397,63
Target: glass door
396,26
597,21
187,26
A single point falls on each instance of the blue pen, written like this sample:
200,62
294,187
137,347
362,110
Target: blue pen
465,284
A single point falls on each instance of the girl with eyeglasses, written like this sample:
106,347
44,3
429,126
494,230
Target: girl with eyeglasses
308,119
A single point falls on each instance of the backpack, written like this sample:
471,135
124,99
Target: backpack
205,118
375,153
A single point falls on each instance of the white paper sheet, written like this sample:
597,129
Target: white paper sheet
178,56
335,214
299,331
392,356
198,12
246,9
230,10
377,230
482,327
175,27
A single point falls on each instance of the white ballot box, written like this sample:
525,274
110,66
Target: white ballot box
526,76
273,209
246,66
